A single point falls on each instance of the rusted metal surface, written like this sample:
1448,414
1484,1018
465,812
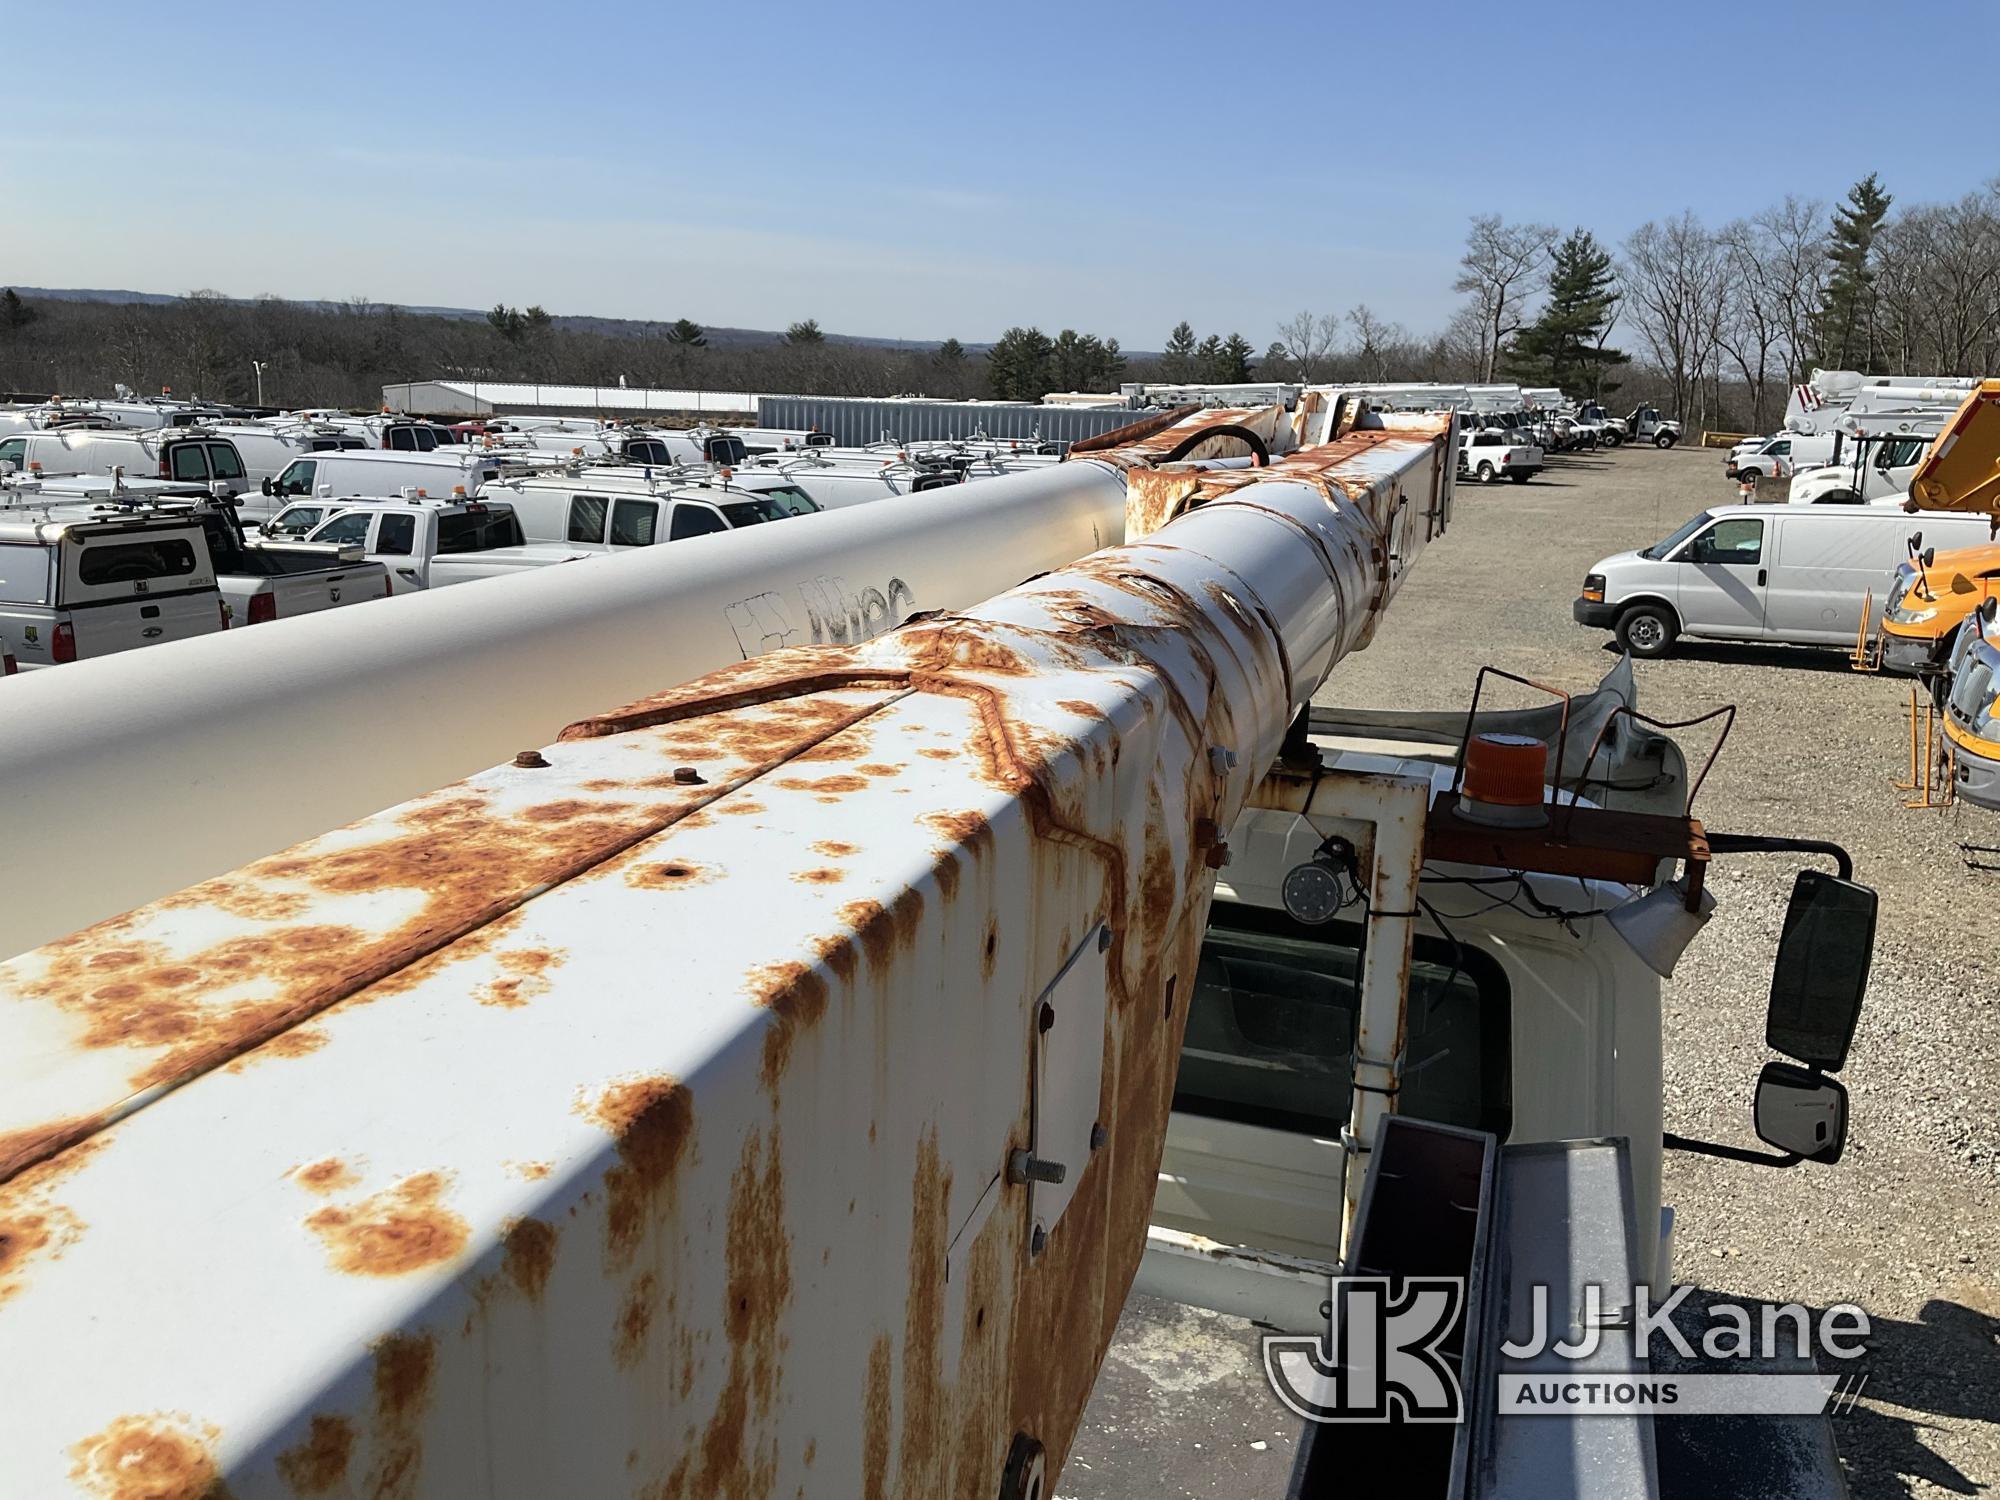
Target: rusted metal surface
579,1129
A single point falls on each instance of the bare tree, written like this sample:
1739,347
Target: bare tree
1498,270
1752,330
1375,341
1793,265
1674,280
1308,340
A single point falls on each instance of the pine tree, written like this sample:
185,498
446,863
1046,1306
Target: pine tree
1235,361
1276,361
806,332
1179,363
1845,329
1208,359
1018,367
687,333
14,313
1563,346
950,352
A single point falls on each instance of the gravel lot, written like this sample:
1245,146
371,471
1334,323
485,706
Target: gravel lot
1908,1224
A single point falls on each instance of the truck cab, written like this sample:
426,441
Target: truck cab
1646,425
427,544
1932,595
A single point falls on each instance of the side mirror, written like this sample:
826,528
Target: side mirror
1821,974
1930,557
1802,1112
267,486
1960,584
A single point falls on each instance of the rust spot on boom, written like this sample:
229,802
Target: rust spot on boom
651,1120
528,1255
161,1456
317,1464
394,1232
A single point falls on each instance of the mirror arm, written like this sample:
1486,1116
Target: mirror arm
1671,1142
1767,843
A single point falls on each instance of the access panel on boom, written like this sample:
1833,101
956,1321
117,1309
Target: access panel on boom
756,1090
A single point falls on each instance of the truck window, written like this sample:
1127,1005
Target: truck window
648,451
400,440
1270,1028
695,520
397,535
127,562
586,517
297,520
725,448
768,505
24,573
345,530
635,523
14,451
223,461
297,478
188,462
479,530
1738,542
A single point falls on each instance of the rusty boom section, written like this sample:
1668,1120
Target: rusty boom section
756,1090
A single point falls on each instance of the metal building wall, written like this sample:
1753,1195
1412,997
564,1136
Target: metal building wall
854,420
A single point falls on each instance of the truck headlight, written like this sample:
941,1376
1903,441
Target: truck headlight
1902,616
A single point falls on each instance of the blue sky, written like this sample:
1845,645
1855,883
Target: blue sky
928,170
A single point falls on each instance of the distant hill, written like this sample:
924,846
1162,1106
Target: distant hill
719,338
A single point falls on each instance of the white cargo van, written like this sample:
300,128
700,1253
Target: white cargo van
376,475
185,455
625,508
1791,573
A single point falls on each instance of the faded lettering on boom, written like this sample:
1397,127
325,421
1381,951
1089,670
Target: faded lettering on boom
835,616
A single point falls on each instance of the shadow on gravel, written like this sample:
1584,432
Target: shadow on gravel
1725,654
1946,1364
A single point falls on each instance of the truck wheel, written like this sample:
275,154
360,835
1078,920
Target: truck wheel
1612,439
1486,473
1519,476
1647,630
1744,476
1664,440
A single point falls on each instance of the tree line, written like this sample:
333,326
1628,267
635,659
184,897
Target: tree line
1718,321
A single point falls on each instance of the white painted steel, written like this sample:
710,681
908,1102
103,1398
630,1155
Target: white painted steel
621,1140
258,738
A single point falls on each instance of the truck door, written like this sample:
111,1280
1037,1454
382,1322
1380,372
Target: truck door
1720,590
394,545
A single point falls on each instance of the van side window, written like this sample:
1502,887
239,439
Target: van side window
635,523
397,534
189,462
1736,541
222,459
586,518
695,520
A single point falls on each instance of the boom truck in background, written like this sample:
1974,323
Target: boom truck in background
853,1200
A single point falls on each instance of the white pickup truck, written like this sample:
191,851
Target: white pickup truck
1487,454
74,588
427,544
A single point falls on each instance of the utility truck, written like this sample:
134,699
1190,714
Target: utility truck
761,1086
427,544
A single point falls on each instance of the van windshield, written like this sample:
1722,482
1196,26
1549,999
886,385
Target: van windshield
1660,549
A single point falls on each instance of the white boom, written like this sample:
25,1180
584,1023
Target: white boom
245,742
762,1096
